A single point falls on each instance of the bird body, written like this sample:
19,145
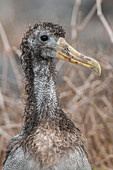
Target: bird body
49,156
49,140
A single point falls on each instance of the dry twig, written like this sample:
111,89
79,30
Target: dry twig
75,29
74,20
3,109
9,53
103,19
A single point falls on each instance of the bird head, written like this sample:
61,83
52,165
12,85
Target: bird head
48,41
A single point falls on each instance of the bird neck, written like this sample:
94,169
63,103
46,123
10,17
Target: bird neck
44,90
42,102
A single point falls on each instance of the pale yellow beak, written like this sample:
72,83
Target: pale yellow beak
68,53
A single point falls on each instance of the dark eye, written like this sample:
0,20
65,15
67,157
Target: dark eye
44,38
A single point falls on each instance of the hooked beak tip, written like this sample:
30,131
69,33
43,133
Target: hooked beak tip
68,53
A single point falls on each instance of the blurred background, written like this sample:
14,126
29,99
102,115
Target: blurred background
87,98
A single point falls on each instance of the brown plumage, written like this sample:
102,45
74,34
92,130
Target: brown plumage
49,139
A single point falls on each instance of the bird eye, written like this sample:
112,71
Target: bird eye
44,38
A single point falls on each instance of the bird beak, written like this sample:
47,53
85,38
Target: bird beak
68,53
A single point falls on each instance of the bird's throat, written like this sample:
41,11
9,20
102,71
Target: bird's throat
42,101
44,87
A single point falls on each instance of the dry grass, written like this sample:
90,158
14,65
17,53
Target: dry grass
90,101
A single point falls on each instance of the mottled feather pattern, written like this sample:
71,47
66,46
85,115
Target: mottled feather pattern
49,139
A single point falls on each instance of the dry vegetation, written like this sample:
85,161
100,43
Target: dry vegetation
86,96
90,101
